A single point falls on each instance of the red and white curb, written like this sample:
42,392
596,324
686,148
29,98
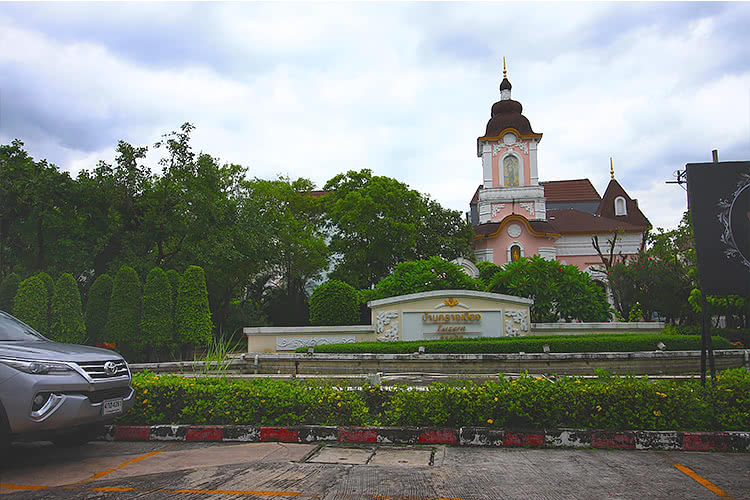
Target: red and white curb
464,436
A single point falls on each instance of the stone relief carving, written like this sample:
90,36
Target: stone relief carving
497,148
529,207
385,321
290,344
516,322
496,208
514,230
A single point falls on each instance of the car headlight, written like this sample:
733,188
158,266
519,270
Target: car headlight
38,367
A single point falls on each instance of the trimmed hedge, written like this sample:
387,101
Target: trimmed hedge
523,403
557,343
8,290
124,314
334,303
156,317
173,399
192,316
97,308
30,303
67,317
49,284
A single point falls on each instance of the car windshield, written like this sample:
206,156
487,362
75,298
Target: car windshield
13,330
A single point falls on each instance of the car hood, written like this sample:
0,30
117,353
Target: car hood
54,351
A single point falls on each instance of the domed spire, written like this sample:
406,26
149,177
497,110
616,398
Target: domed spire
505,85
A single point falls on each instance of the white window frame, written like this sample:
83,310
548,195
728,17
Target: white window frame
622,209
521,167
523,253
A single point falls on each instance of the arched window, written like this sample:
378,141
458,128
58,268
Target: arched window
515,253
620,206
510,169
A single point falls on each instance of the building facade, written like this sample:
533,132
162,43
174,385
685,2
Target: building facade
514,214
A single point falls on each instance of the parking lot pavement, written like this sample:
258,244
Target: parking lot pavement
222,471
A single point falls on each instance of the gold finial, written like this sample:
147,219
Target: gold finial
611,168
505,69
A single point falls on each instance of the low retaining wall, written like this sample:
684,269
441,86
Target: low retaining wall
544,329
464,436
619,363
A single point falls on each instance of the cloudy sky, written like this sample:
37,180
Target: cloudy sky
315,89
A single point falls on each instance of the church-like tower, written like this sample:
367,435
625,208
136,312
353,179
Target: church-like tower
508,150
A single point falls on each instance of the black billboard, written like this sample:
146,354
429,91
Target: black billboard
719,200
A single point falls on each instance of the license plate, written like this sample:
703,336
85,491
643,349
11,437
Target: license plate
112,406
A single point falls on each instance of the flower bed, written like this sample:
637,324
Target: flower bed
558,343
524,403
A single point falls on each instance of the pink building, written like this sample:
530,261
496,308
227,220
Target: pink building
516,215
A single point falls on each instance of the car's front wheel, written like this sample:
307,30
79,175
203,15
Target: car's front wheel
78,437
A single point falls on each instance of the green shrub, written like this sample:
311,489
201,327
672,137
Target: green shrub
486,271
524,403
334,303
174,286
178,400
416,276
67,317
192,316
124,314
30,303
97,308
49,285
560,292
8,289
557,343
156,317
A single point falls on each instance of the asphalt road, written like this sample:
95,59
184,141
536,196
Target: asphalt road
272,471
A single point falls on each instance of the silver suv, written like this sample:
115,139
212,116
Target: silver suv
57,392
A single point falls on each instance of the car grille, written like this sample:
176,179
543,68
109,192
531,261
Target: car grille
103,394
95,369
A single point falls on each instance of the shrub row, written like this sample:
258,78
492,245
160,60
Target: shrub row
523,403
560,343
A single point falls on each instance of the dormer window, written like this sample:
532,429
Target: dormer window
620,206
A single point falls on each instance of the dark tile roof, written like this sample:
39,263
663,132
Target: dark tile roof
475,198
507,114
607,206
571,190
570,220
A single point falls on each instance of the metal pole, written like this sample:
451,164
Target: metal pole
705,333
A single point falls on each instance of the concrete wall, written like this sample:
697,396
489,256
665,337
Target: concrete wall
289,338
625,363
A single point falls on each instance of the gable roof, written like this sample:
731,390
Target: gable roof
607,207
570,220
570,190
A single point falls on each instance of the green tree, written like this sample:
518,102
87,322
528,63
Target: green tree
334,303
8,289
434,273
67,316
192,316
378,222
559,291
97,308
486,271
156,318
30,303
125,314
174,286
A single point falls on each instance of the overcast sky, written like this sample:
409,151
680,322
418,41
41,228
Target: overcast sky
312,89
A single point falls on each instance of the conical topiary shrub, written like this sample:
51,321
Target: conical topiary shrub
8,289
192,314
156,316
49,285
97,308
125,314
67,317
30,303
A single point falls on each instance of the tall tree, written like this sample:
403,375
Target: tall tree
8,289
377,222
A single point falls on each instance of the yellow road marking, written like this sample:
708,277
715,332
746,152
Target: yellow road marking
240,492
22,487
125,464
704,482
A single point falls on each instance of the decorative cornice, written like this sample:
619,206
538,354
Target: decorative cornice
521,219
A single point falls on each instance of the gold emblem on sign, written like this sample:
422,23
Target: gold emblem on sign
450,302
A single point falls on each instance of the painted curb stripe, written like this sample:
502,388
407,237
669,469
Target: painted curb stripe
465,436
